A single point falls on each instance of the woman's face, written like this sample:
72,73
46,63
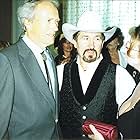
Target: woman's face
134,49
67,46
133,53
112,46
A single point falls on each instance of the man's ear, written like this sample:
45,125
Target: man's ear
27,23
74,43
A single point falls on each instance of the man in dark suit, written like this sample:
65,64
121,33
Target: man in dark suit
28,108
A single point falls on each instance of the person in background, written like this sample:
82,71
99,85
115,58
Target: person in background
113,46
66,51
28,107
91,87
129,112
132,54
4,44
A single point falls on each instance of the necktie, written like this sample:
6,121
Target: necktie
48,67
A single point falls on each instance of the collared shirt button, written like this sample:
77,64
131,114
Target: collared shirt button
134,73
84,107
56,120
84,117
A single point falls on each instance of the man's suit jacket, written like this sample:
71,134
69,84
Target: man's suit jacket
28,110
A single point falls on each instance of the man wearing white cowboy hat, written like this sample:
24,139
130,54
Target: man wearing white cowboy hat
92,87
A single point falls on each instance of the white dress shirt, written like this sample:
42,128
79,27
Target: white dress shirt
37,52
85,76
124,82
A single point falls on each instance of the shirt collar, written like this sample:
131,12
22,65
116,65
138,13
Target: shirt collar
32,45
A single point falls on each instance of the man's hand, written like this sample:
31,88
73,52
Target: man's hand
96,135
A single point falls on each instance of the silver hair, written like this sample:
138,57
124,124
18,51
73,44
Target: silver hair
56,3
26,11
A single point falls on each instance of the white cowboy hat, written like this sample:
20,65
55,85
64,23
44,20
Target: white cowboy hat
88,22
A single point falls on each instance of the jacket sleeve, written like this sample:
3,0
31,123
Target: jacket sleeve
6,94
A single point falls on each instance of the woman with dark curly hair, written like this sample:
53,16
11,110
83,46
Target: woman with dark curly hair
112,47
66,51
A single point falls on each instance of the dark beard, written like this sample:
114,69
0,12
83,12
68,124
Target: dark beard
90,57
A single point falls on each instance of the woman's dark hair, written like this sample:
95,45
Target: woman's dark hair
106,54
118,34
60,51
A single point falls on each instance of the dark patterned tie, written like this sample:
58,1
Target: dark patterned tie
47,62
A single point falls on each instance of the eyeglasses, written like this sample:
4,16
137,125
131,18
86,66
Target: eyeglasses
131,48
134,50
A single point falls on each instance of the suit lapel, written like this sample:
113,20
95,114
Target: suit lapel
56,85
33,69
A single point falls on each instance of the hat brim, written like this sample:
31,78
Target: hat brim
69,30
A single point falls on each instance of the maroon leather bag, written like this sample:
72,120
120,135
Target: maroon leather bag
108,131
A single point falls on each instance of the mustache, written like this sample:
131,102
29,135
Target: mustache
89,50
